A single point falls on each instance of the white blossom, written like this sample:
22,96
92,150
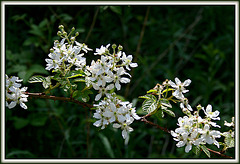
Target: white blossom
179,87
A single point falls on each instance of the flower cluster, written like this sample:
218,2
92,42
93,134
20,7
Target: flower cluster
195,130
14,94
109,71
113,110
64,55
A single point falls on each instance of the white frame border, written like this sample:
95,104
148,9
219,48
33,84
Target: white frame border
4,3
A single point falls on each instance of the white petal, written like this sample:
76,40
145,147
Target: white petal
12,104
110,87
124,134
115,125
188,147
209,108
118,86
180,144
187,82
95,86
98,123
172,84
173,134
98,96
189,107
178,82
121,118
24,106
97,115
124,80
133,64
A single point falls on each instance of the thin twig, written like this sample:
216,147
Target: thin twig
92,25
156,125
43,96
138,47
165,52
216,152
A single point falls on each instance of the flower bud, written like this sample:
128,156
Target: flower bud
76,34
64,33
61,27
59,33
186,111
51,50
120,47
114,46
72,39
166,83
73,29
199,107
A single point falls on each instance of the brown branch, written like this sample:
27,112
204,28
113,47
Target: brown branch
43,96
156,125
216,152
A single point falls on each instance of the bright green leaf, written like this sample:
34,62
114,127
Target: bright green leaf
169,112
205,150
36,79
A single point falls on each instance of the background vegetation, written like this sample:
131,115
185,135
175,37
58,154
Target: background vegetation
195,42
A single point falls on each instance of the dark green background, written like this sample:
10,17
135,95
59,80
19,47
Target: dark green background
195,42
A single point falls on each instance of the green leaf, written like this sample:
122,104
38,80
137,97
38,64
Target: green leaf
20,123
36,79
147,96
168,89
229,140
47,82
152,91
169,112
150,104
205,150
107,145
196,149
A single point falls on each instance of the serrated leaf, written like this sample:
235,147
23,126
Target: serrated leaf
205,150
150,104
196,150
36,79
165,103
169,112
229,141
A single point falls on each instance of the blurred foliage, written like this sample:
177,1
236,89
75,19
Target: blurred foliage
195,42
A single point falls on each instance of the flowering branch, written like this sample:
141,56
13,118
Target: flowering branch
43,96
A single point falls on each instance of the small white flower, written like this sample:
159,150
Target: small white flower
230,124
127,61
179,87
102,50
210,114
83,47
